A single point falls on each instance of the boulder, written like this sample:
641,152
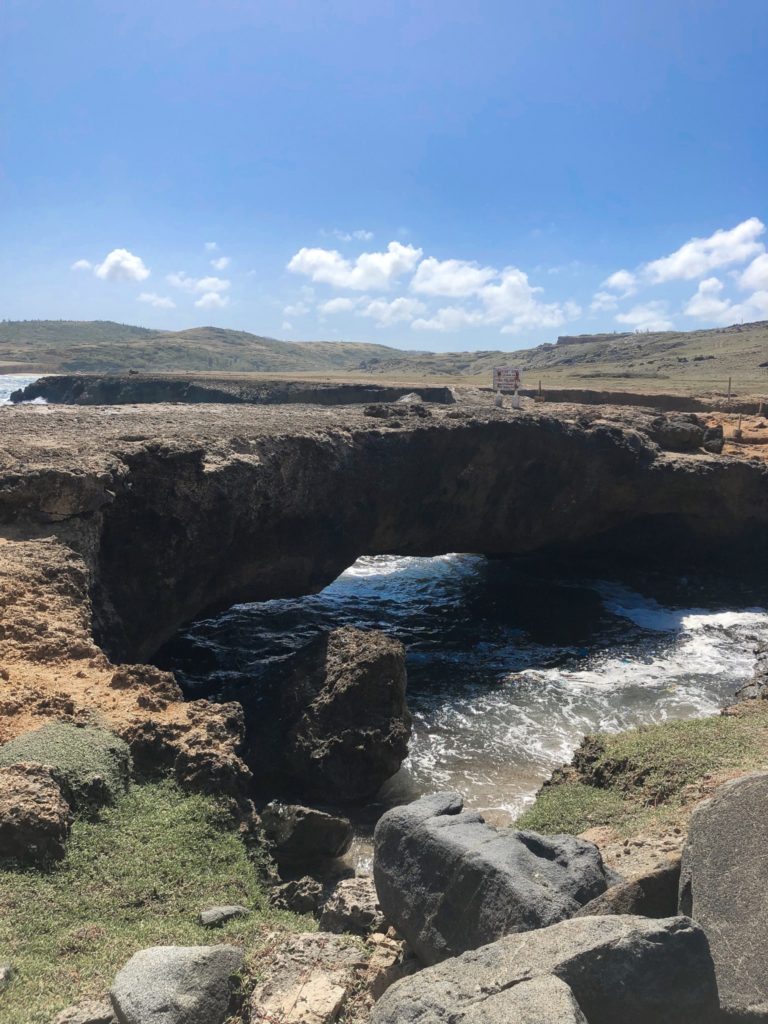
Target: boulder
653,894
621,970
300,835
309,978
449,882
350,725
215,917
723,887
176,985
545,1000
301,895
758,684
35,819
91,765
353,907
685,433
92,1011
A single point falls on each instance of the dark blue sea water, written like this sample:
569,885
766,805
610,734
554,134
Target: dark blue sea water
508,665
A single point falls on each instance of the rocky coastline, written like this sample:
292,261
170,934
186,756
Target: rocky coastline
118,525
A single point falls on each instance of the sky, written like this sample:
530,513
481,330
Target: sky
432,175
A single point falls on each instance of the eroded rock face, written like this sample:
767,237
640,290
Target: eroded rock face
653,894
353,907
345,698
449,882
685,433
758,684
301,895
631,970
35,819
723,887
300,835
310,977
176,985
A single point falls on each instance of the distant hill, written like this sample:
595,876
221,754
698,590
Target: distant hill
702,360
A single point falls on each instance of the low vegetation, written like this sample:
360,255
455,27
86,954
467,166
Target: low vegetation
137,877
700,361
653,775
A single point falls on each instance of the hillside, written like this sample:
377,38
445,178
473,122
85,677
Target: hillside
689,361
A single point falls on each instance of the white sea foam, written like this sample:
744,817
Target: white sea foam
11,382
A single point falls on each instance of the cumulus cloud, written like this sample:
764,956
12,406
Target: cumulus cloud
386,313
448,318
374,271
158,301
756,275
121,265
623,281
221,263
700,255
81,265
339,305
198,284
212,300
451,278
707,304
603,301
652,316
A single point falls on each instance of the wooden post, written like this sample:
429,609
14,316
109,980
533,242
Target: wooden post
539,389
729,392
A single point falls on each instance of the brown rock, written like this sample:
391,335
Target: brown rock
35,819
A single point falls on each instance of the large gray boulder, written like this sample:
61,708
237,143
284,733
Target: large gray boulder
449,882
545,1000
176,985
724,887
621,970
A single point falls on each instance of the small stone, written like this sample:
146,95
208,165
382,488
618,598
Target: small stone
214,917
6,975
92,1011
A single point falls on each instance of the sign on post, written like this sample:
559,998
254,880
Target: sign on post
507,378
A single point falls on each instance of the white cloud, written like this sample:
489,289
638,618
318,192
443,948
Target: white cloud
652,316
756,275
371,270
121,265
298,309
361,235
221,263
706,304
700,255
158,301
453,278
340,305
449,318
211,246
623,281
82,265
202,284
386,313
212,300
603,301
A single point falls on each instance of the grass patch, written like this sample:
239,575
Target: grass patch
137,877
631,779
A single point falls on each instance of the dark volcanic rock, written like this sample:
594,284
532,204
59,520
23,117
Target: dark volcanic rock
448,882
723,886
651,895
301,895
176,985
300,835
758,684
621,970
685,433
345,698
35,819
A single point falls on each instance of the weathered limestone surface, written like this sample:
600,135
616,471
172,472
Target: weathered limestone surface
723,886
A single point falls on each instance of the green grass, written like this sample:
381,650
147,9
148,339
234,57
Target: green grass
137,877
632,779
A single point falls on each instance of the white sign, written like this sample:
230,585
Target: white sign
507,378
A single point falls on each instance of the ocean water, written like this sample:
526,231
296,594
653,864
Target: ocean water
509,664
11,382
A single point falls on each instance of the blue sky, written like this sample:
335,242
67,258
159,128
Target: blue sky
438,174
